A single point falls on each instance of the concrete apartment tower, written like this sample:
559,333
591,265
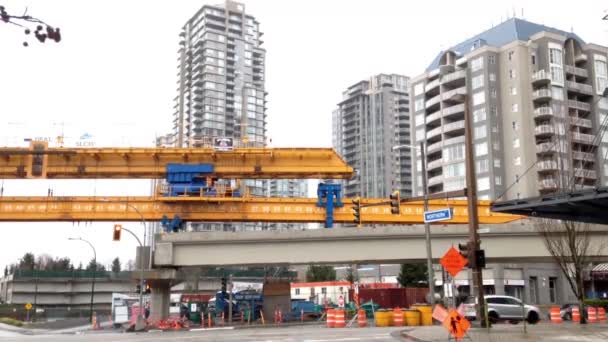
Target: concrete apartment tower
220,83
371,132
535,99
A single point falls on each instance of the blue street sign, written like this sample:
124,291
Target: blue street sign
438,215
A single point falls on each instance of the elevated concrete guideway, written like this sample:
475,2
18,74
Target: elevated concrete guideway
503,243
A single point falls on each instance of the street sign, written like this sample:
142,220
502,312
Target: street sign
456,324
438,215
28,306
453,262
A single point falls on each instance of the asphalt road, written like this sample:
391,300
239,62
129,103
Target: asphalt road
290,334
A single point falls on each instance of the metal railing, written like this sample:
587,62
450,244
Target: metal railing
581,122
544,129
582,137
541,75
581,87
579,105
576,71
453,76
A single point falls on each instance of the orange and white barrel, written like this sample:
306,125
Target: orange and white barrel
397,317
361,318
556,317
576,314
601,315
331,318
340,321
591,315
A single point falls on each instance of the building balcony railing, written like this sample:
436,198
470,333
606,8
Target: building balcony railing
547,165
584,106
431,148
541,76
434,132
547,147
585,156
581,122
580,58
434,164
547,184
544,130
583,173
453,126
431,85
453,141
570,69
541,94
580,87
449,94
435,180
543,112
433,117
432,101
453,76
584,138
457,109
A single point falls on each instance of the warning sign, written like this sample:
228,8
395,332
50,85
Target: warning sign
456,324
453,262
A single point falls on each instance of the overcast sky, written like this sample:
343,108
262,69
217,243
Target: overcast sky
113,76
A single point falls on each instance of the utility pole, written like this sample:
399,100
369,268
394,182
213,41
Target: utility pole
472,211
230,299
427,227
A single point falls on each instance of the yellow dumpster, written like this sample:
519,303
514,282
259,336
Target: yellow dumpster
426,313
382,318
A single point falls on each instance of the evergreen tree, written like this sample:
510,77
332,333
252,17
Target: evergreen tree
320,273
116,265
413,275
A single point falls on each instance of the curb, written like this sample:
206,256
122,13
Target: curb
408,337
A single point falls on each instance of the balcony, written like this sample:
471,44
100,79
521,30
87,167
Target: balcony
580,87
454,127
432,148
447,96
547,165
584,106
547,184
541,94
583,173
431,85
570,69
452,110
433,133
544,130
433,117
541,77
584,138
435,180
434,164
457,75
453,141
547,147
432,101
584,156
580,58
581,122
543,112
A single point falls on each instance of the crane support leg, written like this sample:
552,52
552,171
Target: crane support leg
326,194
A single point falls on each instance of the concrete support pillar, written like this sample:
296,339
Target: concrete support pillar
160,300
499,279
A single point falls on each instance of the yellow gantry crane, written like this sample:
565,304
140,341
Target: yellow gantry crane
191,194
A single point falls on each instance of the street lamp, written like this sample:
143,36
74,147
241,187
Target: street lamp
139,324
427,226
94,271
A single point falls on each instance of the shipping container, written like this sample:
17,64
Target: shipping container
392,297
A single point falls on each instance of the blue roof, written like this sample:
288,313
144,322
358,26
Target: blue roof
508,31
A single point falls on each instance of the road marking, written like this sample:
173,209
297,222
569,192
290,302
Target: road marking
211,329
365,338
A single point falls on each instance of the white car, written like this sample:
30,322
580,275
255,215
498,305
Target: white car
505,308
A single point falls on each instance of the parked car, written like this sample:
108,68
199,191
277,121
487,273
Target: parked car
505,308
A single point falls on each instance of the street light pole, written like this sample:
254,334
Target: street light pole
427,226
139,324
94,272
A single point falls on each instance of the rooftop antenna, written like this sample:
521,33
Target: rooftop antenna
522,13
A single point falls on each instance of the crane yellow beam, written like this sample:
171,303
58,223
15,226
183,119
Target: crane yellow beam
216,209
249,163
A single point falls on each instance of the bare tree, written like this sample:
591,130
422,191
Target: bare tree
568,242
42,32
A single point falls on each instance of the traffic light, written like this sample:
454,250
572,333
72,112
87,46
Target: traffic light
357,210
395,202
466,250
38,160
148,289
117,231
480,258
224,286
138,288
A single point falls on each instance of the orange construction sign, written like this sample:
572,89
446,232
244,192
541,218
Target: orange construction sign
453,262
456,324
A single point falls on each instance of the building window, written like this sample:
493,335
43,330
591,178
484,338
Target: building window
557,75
555,63
498,180
419,119
553,289
493,111
492,77
497,163
477,64
513,91
601,73
515,126
493,92
516,143
419,104
453,184
420,134
557,93
479,114
483,183
477,81
517,161
479,98
324,290
492,59
512,74
297,291
481,149
482,165
533,59
514,108
418,88
453,153
510,54
312,291
454,170
480,132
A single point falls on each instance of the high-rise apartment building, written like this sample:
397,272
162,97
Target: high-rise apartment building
290,188
371,132
535,98
220,86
